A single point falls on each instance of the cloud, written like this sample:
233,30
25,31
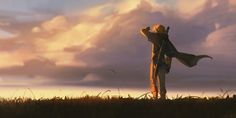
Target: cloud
232,2
58,23
189,7
121,7
45,69
7,35
121,46
36,30
4,23
56,45
90,78
106,37
41,72
221,42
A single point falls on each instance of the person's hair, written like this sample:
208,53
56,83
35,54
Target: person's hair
159,28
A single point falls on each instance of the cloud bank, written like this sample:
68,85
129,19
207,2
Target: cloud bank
101,46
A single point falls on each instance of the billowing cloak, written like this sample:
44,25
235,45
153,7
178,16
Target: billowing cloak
161,40
188,60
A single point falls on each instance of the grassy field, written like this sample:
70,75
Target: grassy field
96,107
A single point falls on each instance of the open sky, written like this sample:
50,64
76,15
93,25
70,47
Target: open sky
96,43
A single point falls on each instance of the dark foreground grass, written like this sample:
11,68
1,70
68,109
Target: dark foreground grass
95,107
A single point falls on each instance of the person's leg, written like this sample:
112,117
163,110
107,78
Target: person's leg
153,81
154,89
161,82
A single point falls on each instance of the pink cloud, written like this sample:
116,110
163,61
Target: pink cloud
222,42
111,41
7,35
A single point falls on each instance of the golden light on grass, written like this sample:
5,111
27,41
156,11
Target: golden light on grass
78,92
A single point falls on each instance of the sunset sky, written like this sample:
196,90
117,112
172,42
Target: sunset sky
97,44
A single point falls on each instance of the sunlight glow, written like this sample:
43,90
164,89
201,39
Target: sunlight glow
77,92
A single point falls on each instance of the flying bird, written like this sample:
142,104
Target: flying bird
113,71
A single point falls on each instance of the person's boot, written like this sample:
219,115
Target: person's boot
163,96
155,95
155,92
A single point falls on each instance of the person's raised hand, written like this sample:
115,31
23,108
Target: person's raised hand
148,28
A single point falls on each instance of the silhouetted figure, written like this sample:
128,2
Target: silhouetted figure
162,53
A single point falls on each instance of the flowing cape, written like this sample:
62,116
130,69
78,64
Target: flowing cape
188,60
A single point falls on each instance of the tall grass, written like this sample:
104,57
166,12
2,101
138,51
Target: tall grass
102,106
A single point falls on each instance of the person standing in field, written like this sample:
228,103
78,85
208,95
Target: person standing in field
162,53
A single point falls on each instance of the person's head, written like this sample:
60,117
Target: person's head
159,29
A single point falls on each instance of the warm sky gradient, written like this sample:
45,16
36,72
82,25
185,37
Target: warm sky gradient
96,43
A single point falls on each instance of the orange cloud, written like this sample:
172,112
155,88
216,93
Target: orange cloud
85,31
121,7
58,23
108,39
232,2
79,35
9,59
7,35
